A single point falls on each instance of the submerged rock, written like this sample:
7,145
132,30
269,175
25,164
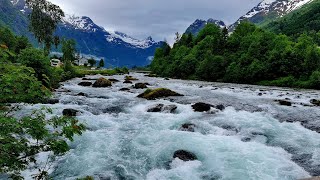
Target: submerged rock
124,89
102,82
140,86
51,101
187,127
158,93
114,80
85,83
315,102
130,78
201,107
127,82
156,108
220,107
162,108
185,155
89,79
170,108
70,112
284,102
82,94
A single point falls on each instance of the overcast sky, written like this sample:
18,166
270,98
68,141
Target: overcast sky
157,18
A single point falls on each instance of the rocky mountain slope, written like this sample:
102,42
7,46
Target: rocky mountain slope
199,24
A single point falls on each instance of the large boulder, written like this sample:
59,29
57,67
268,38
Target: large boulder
201,107
185,155
69,112
315,102
158,93
140,86
85,83
102,82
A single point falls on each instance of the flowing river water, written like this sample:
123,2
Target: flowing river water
253,138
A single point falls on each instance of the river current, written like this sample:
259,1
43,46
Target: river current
253,138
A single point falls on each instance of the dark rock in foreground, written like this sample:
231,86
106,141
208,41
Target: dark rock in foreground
69,112
140,86
187,127
201,107
102,82
220,107
84,83
185,155
158,93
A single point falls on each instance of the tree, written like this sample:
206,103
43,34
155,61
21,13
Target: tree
68,50
92,62
101,63
37,60
44,19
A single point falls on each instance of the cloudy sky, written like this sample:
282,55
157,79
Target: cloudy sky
157,18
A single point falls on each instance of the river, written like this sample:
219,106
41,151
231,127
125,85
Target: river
253,138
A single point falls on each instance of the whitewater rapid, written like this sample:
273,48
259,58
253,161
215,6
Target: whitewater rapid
253,138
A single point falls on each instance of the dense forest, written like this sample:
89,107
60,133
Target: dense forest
249,55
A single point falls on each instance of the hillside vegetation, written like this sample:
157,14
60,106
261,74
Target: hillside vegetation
249,55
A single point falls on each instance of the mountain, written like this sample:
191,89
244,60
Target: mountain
199,24
118,49
268,10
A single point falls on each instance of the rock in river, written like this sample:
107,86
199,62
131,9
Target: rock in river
69,112
140,85
85,83
185,155
315,102
187,127
102,82
201,107
158,93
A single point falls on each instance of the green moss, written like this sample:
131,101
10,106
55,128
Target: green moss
158,93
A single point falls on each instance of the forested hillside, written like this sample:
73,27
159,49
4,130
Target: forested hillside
305,19
249,55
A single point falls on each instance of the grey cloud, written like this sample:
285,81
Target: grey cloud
157,18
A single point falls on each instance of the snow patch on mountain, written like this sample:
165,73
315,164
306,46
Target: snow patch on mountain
114,36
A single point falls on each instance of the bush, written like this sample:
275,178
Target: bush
18,84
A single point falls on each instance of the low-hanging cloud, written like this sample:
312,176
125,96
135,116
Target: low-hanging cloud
159,19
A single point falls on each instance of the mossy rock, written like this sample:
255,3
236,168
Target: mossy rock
102,82
130,78
158,93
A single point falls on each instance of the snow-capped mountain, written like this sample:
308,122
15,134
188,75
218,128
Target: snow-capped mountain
199,24
270,9
116,47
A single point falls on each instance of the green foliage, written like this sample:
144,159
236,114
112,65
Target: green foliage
18,84
248,55
101,63
68,50
36,59
22,139
92,62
